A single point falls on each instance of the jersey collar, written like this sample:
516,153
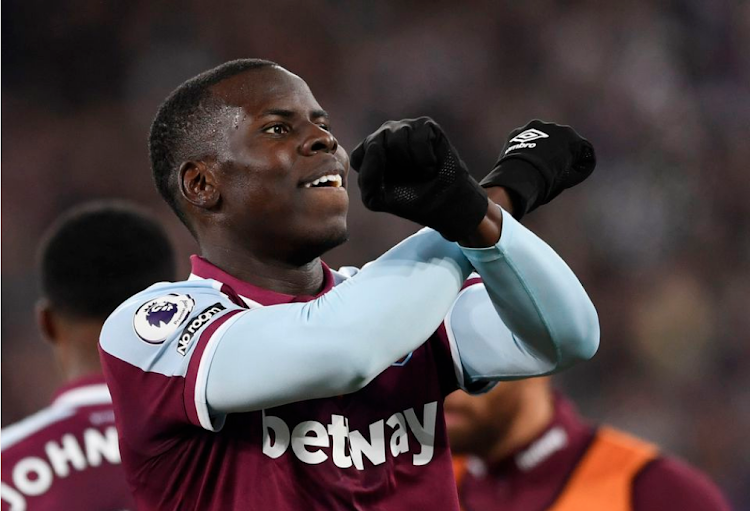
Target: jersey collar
87,390
202,268
559,445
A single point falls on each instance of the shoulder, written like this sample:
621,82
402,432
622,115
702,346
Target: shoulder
669,483
33,429
166,292
630,469
140,328
156,312
161,290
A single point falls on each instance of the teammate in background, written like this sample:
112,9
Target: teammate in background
66,456
523,447
269,381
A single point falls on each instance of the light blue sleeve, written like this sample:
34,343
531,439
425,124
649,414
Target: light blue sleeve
530,317
339,342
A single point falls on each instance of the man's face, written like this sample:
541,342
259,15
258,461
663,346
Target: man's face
278,148
475,423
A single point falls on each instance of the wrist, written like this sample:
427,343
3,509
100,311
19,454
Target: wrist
522,179
489,229
502,197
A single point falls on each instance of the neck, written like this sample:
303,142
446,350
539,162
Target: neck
268,273
534,415
76,350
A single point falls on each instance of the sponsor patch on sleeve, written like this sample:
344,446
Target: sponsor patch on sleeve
157,319
195,324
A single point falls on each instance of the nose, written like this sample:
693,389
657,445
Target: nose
319,141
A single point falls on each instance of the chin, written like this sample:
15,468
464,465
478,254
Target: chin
333,240
318,243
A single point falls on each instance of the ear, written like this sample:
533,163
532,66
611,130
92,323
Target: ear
47,321
198,184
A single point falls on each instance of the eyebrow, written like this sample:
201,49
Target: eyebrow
288,114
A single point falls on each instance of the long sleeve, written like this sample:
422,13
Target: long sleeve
339,342
530,317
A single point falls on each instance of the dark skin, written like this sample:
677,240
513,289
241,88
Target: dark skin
249,206
496,424
73,339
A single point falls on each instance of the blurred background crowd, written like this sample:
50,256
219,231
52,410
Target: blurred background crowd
658,234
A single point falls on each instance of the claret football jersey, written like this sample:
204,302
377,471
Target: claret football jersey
65,456
382,447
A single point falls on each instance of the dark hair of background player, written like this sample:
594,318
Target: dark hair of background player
99,254
186,125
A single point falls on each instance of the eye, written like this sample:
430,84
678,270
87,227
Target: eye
276,129
324,126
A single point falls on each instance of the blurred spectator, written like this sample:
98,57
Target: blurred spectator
658,235
521,447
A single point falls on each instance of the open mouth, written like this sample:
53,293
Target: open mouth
327,181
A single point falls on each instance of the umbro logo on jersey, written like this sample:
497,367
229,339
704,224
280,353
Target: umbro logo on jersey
529,135
156,319
524,139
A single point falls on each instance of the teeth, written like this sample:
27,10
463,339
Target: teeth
335,179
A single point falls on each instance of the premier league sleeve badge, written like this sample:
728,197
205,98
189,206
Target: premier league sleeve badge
157,319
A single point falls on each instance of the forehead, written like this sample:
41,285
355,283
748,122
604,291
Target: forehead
259,90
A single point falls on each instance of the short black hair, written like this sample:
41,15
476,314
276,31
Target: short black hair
185,125
99,254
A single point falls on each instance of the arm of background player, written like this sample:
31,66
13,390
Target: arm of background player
339,342
531,316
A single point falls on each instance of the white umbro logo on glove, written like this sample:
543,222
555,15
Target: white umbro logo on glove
524,138
529,135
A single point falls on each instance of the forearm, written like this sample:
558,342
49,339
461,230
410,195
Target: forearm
537,297
339,342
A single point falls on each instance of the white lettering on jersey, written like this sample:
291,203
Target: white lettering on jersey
313,434
100,446
339,431
425,433
281,436
400,436
374,450
65,454
310,440
33,476
12,497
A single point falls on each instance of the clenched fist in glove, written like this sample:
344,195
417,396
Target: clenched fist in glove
410,169
538,162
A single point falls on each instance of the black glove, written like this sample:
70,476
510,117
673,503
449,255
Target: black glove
409,168
538,162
